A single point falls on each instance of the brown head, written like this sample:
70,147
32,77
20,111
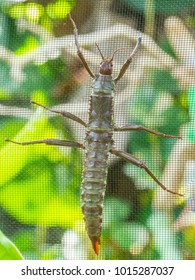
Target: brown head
106,67
106,64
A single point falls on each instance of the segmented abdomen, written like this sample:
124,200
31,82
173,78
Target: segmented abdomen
94,183
98,142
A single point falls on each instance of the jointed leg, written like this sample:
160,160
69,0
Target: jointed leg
82,58
141,164
65,114
54,142
128,61
140,127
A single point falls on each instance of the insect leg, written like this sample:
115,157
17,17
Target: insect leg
65,114
141,164
128,61
54,142
140,127
80,54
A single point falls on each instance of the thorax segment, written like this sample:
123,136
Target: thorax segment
103,84
101,104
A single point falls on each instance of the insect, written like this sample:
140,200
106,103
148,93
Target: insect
99,140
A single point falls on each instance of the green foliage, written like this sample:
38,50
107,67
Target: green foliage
8,251
157,105
36,12
160,226
7,84
119,235
187,241
166,46
40,201
40,184
191,125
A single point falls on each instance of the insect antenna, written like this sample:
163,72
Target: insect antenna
114,53
100,51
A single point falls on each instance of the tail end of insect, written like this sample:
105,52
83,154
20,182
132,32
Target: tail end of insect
96,244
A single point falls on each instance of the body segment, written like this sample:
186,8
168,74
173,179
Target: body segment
98,143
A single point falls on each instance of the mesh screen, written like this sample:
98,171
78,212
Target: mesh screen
40,207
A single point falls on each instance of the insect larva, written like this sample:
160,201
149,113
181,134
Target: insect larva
99,140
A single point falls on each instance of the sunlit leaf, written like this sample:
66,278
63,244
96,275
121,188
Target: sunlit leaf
58,9
188,240
35,202
30,180
25,240
17,10
30,11
29,44
13,157
33,11
8,251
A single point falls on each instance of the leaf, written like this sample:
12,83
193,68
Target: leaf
59,9
35,199
38,78
163,81
13,157
133,237
10,126
164,239
7,85
8,251
188,240
26,241
191,100
115,210
30,190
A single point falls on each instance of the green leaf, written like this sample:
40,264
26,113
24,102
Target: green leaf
191,100
13,157
38,78
30,189
7,85
8,251
59,9
26,241
133,237
115,210
34,200
10,126
164,239
188,240
162,80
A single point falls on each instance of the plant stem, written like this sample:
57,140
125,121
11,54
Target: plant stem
149,17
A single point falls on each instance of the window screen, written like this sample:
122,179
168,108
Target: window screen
40,185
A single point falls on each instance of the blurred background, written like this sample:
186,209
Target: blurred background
40,214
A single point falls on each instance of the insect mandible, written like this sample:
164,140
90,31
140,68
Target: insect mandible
99,140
